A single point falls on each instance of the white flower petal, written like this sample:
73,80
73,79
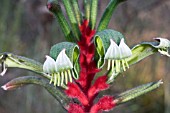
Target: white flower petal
113,52
164,52
124,50
49,65
163,43
63,62
4,87
3,72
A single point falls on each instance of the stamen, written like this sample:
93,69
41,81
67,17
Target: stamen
117,65
55,79
123,64
113,64
66,78
58,80
52,78
70,77
127,65
108,66
62,78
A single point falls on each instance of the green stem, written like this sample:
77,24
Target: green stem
136,92
55,8
73,22
93,14
87,9
77,11
54,91
108,14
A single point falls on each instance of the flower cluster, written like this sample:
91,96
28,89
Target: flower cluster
74,65
116,56
61,70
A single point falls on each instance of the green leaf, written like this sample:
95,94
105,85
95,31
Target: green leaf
11,60
93,13
54,91
55,8
108,14
72,51
145,49
71,16
102,43
136,92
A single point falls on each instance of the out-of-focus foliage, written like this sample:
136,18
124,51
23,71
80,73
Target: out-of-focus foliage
26,29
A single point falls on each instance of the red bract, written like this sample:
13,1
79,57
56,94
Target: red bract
75,108
83,90
99,85
75,92
106,103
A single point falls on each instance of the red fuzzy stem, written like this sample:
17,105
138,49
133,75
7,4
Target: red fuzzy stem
87,51
87,73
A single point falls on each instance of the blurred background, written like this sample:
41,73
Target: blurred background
28,29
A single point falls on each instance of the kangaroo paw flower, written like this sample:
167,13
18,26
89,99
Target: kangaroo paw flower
116,56
61,70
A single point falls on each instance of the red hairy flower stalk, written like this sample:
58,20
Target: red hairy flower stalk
83,90
87,50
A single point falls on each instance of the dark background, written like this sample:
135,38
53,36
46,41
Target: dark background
28,29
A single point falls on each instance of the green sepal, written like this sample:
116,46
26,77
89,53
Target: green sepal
108,14
11,60
145,49
72,51
136,92
57,93
102,43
